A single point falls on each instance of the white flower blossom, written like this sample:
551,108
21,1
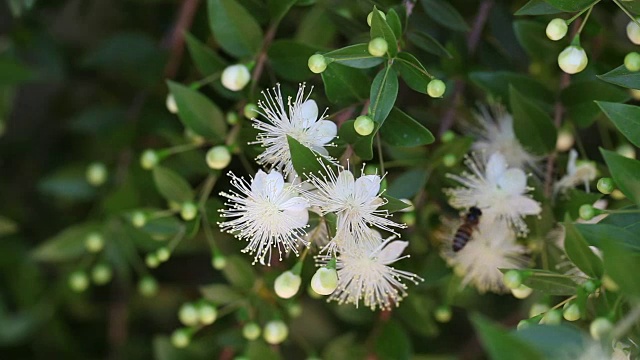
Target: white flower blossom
578,173
301,123
365,273
499,191
268,213
492,246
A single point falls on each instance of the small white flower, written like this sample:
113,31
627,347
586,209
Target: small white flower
577,173
301,123
356,202
499,191
365,274
492,247
268,213
496,135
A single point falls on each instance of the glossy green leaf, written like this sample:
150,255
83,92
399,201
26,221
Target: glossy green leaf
393,19
579,252
597,234
198,113
533,127
628,221
553,341
549,283
537,7
408,183
622,77
500,344
579,98
625,173
427,43
531,36
356,56
384,92
393,343
400,129
12,72
445,14
68,183
205,59
393,204
7,226
625,117
305,160
570,202
239,272
220,294
344,85
499,82
570,5
171,185
412,72
66,245
380,28
289,59
619,262
234,28
279,8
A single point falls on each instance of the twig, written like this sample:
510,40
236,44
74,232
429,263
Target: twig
176,39
262,57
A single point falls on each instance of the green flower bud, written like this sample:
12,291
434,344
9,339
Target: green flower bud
364,125
181,338
149,159
627,151
449,160
163,254
147,286
606,185
152,261
189,211
101,274
96,174
94,242
587,212
537,309
443,313
436,88
378,47
250,111
138,219
171,104
287,284
324,281
317,63
251,331
218,157
447,136
573,59
294,310
232,118
571,311
409,218
557,29
590,286
207,313
219,262
188,314
235,77
275,332
552,317
600,328
78,281
521,292
370,16
632,61
512,279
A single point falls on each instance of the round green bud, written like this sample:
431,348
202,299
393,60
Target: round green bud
600,328
188,211
218,262
436,88
573,59
571,311
371,170
235,77
188,314
587,212
294,310
250,111
632,61
317,63
324,281
78,281
378,47
218,157
148,286
537,309
207,313
447,136
232,118
251,331
163,254
287,284
590,286
275,332
149,159
408,218
512,279
552,317
171,104
370,16
138,219
364,125
96,174
94,242
606,185
181,338
443,314
101,274
449,160
557,29
521,292
152,261
633,32
627,151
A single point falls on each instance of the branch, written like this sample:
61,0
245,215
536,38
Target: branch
176,39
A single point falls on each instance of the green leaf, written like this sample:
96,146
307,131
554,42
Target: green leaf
393,19
363,145
533,127
579,252
344,85
380,28
427,43
205,59
570,5
597,234
579,99
500,344
289,59
553,341
570,202
537,7
279,8
622,77
261,350
239,272
235,29
408,184
356,56
305,160
619,262
412,72
384,91
400,129
198,113
13,72
393,343
171,185
499,82
393,204
625,117
537,47
445,14
625,174
220,294
66,245
7,226
68,183
628,221
549,283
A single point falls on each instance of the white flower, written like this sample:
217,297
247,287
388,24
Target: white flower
572,59
365,274
268,213
496,135
301,123
492,247
355,202
499,191
577,173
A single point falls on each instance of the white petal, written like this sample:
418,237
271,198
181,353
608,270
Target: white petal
513,181
345,182
323,131
496,166
308,113
295,204
391,252
274,183
297,219
367,187
526,206
320,150
571,164
257,185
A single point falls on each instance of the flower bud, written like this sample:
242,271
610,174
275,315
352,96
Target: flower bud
149,159
512,279
571,311
557,29
600,328
436,88
171,104
251,331
324,281
188,211
94,243
632,61
317,63
565,140
207,313
78,281
294,310
287,284
218,262
188,314
181,338
627,151
378,47
275,332
449,160
147,286
552,317
250,111
409,218
138,219
609,284
370,16
447,136
218,157
521,292
193,137
573,59
633,32
591,285
152,261
235,77
96,174
232,118
364,125
587,212
443,314
163,254
617,194
101,274
605,185
537,309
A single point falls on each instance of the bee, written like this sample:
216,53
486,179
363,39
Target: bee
463,235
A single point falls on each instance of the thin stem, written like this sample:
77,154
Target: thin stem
627,12
564,302
581,12
380,156
585,20
207,80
